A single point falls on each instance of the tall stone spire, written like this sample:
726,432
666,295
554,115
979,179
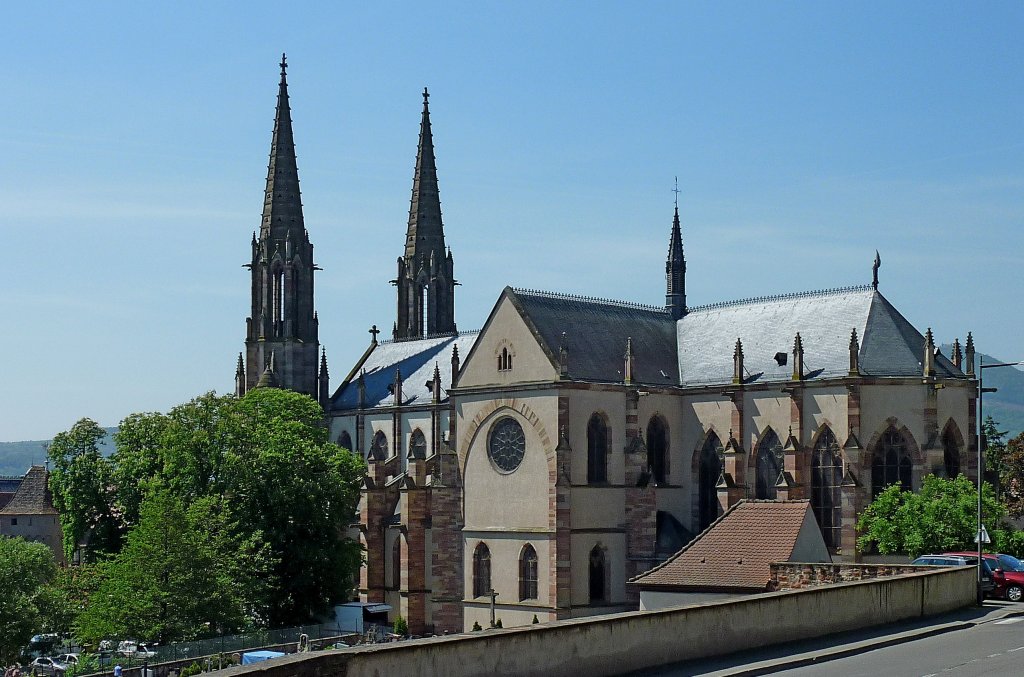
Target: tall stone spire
283,322
426,282
675,272
282,203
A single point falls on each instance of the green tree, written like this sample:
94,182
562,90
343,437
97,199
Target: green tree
80,485
941,516
178,576
288,482
25,570
995,452
1011,476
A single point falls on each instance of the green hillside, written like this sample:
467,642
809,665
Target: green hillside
17,457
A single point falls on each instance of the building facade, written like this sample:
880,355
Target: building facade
572,443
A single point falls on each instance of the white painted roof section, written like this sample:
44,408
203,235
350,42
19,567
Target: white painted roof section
416,360
889,344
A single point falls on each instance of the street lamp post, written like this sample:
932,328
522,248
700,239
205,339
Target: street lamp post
982,445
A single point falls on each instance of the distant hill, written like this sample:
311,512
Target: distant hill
1006,405
17,457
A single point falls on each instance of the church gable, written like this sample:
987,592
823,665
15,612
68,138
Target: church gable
506,351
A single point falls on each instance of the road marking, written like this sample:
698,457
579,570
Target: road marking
1008,621
994,655
1017,649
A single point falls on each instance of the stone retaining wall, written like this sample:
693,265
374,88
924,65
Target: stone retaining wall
621,643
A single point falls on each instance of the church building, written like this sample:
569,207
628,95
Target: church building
533,467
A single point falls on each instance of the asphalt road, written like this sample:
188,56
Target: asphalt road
972,641
992,648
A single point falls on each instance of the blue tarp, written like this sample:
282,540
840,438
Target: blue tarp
257,656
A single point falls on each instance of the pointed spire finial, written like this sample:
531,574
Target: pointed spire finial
627,375
854,353
874,270
676,191
426,96
283,64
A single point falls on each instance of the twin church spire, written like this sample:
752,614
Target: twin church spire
426,276
281,343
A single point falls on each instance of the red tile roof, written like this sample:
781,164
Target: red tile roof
33,496
735,552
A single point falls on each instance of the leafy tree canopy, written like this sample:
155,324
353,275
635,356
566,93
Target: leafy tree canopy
25,570
80,483
1011,476
179,576
252,485
941,517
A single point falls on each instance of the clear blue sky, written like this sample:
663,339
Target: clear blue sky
805,135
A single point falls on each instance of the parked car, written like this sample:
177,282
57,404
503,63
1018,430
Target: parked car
132,649
1009,577
991,577
47,666
67,659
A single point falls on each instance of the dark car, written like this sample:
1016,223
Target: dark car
991,576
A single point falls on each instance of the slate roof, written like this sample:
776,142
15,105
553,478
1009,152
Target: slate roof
733,553
596,332
415,359
33,496
889,344
8,487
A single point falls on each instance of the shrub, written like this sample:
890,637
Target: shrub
476,627
401,626
190,670
535,619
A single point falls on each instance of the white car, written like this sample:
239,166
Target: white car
68,659
47,666
130,649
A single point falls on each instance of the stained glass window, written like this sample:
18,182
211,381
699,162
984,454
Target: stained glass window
826,491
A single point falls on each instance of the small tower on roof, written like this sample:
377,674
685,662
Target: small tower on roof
426,276
675,268
283,322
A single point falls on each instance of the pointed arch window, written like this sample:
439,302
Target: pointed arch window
826,491
950,454
345,440
597,450
417,444
481,571
396,563
770,462
379,446
505,359
891,463
709,472
528,573
657,449
598,577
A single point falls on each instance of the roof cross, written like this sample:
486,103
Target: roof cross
374,331
676,191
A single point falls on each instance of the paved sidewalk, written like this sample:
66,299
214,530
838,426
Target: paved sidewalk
822,649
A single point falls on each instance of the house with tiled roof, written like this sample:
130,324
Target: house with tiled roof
733,556
30,513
